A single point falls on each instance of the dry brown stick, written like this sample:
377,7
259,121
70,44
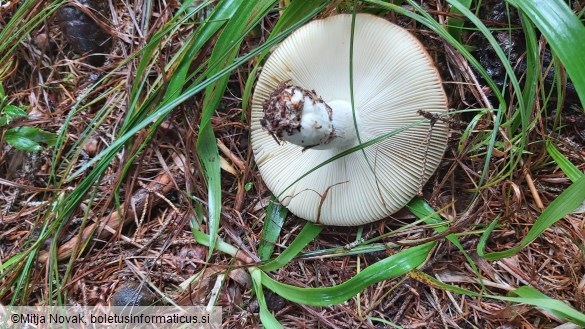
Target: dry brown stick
233,158
103,228
26,187
533,190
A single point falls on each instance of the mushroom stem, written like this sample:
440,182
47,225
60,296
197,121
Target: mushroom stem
297,115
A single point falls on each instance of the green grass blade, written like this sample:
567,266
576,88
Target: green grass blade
268,320
566,166
425,19
209,158
111,151
388,268
203,239
14,31
307,234
484,237
565,314
247,15
564,32
528,295
275,215
384,321
424,211
533,68
454,23
23,285
564,204
295,14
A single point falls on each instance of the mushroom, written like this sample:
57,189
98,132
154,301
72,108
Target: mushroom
302,116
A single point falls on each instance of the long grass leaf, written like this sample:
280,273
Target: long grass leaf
425,19
275,215
565,313
527,295
564,204
209,158
532,72
564,32
388,268
295,14
455,23
424,211
226,48
307,234
268,320
566,166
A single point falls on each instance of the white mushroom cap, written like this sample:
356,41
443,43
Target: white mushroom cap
393,79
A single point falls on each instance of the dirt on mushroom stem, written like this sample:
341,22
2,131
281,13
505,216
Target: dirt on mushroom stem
283,112
297,115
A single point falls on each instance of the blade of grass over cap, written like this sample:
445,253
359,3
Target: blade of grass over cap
563,205
356,148
427,20
564,32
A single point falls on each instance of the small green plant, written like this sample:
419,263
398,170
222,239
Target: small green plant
22,138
